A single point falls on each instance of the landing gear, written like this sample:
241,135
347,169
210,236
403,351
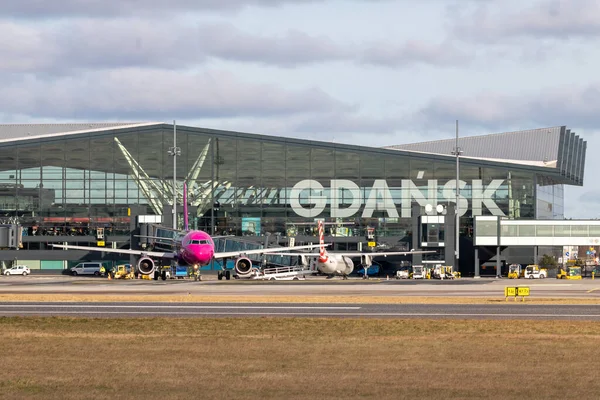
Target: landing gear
228,275
163,275
220,275
366,269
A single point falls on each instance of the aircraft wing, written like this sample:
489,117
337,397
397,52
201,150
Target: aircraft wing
385,253
120,251
269,250
358,254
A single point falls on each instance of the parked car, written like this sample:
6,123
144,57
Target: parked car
18,270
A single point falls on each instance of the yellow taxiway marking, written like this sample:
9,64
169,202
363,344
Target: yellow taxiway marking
593,290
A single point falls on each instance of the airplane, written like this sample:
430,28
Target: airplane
341,264
195,248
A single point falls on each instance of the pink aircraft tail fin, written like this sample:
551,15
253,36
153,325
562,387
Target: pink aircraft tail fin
185,208
322,252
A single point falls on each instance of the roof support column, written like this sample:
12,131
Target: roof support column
498,263
477,262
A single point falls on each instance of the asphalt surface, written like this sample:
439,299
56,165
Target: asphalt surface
508,310
465,287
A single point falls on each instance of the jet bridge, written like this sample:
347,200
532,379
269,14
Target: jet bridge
235,243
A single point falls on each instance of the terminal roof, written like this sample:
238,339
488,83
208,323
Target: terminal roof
556,147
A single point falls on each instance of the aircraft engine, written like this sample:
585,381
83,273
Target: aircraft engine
243,267
146,265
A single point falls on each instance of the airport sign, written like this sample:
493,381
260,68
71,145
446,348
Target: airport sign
309,198
516,291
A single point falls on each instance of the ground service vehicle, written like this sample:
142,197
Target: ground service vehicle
535,272
87,268
403,273
514,271
450,273
419,272
569,273
438,272
18,270
124,271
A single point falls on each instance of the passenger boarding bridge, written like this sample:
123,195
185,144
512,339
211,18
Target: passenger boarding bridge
499,232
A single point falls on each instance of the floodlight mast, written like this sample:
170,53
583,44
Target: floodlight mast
457,152
174,151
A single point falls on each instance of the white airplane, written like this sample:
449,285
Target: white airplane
340,264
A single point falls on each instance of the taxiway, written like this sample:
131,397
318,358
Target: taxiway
144,309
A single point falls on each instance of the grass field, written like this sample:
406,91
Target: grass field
276,358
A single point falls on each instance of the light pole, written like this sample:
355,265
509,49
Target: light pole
174,151
457,152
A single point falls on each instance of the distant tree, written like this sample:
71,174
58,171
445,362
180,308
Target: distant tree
548,261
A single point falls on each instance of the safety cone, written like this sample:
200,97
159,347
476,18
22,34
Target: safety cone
387,277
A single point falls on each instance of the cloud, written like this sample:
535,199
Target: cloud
23,48
411,52
548,19
101,44
60,48
292,49
134,93
102,8
566,105
341,122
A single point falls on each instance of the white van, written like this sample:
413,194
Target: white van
86,268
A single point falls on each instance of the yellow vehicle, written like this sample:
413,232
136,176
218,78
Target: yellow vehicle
514,271
570,273
124,271
451,274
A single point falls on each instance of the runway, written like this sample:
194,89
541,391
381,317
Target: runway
465,287
199,310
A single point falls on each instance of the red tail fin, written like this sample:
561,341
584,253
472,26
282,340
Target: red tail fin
322,252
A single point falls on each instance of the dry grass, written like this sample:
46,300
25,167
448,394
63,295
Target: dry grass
338,299
276,358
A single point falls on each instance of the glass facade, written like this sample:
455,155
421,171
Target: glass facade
256,185
550,199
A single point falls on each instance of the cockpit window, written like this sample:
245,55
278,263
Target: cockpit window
200,242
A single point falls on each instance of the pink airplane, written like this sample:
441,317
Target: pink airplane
195,248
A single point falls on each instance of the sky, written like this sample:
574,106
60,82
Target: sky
366,72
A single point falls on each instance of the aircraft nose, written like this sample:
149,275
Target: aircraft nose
204,256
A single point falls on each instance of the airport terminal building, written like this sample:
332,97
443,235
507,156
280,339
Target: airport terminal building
62,182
